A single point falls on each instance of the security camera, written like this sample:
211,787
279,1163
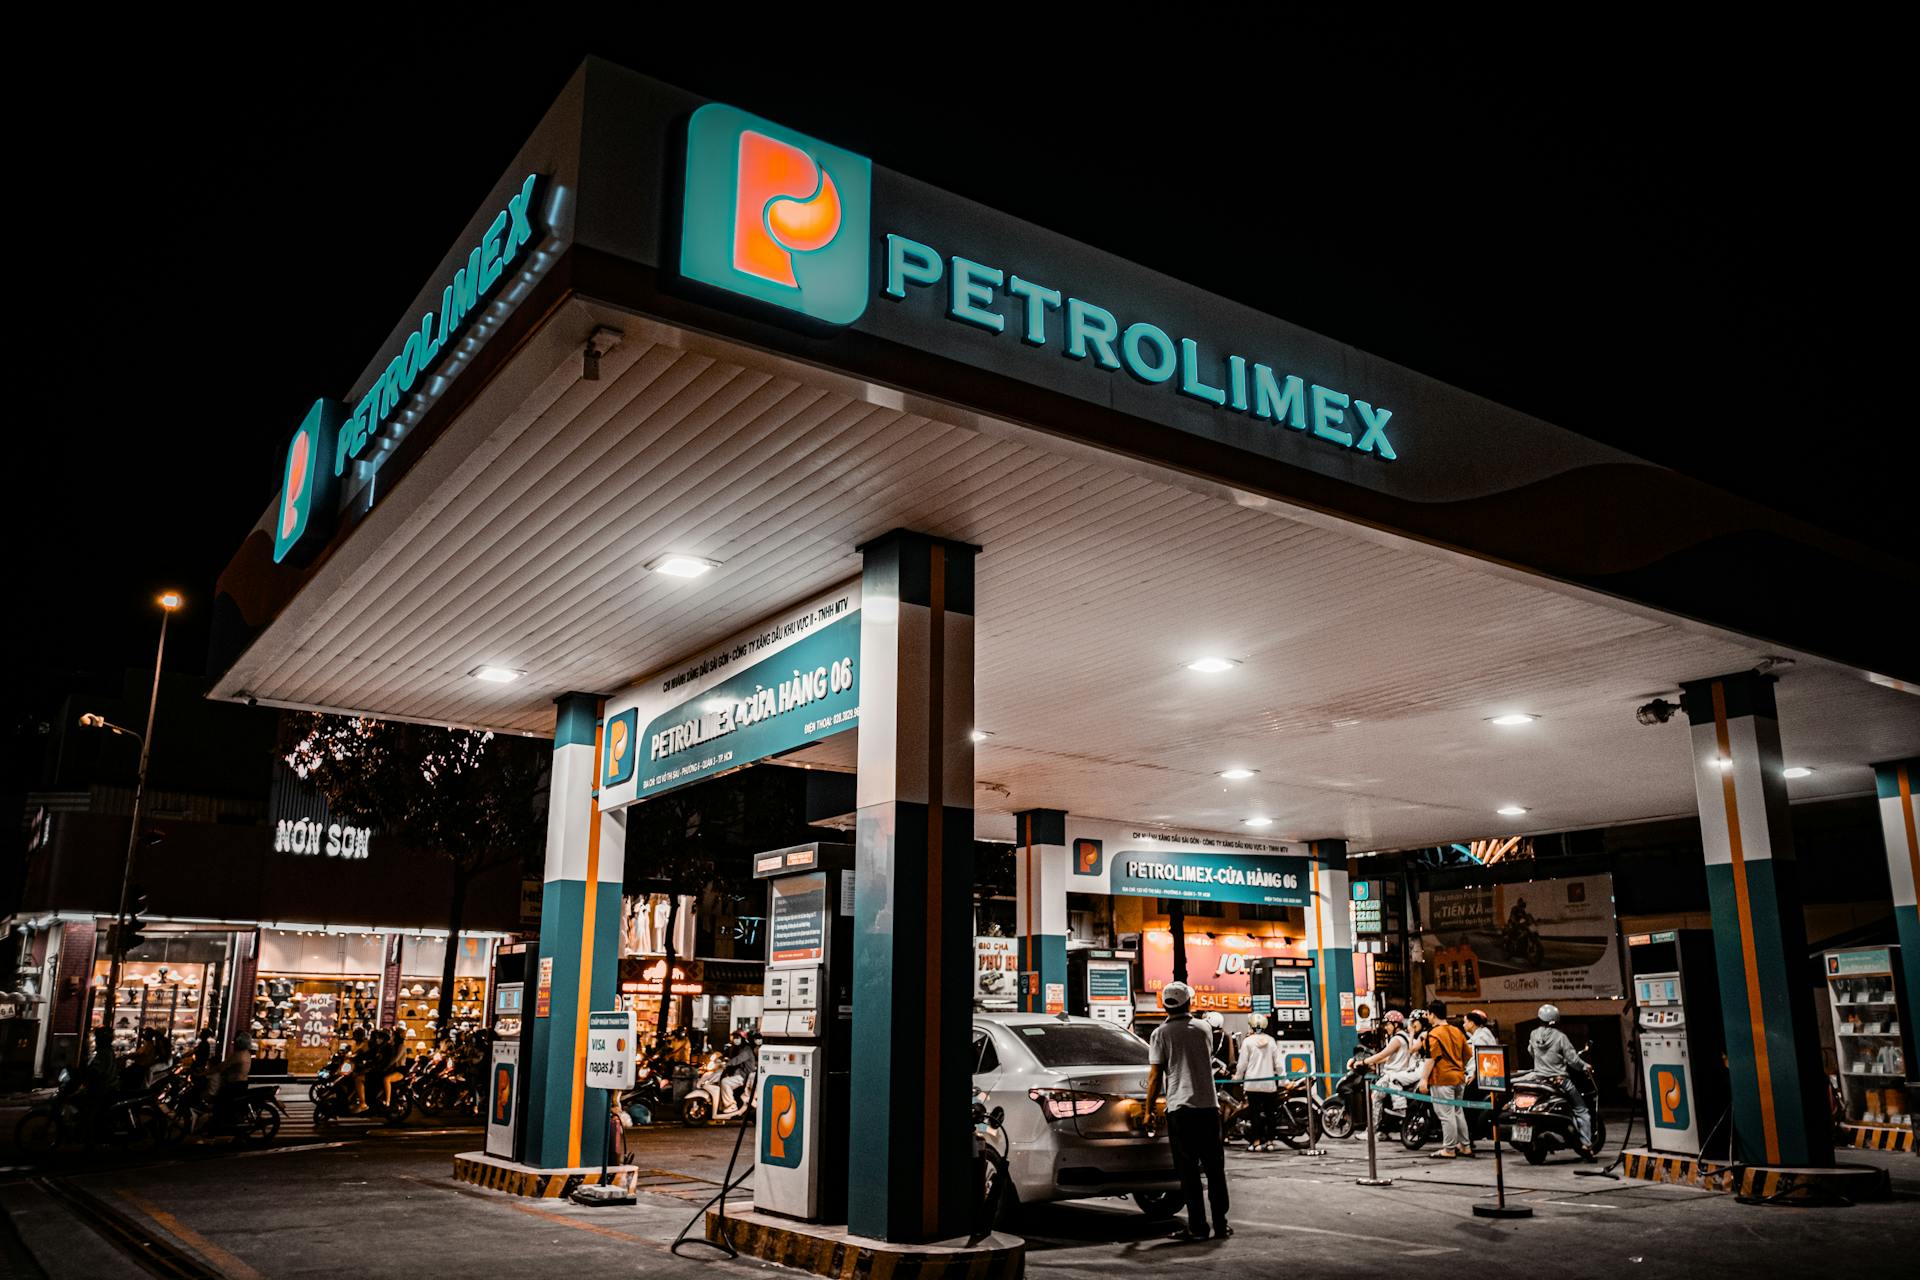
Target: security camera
1659,711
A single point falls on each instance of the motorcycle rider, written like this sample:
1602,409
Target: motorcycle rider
1554,1054
1394,1062
742,1059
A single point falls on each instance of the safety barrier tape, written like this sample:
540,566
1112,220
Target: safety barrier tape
1291,1075
1472,1104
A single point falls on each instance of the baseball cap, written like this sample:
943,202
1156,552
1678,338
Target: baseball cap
1176,995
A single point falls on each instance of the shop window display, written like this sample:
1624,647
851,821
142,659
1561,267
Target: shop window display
417,1013
172,999
313,988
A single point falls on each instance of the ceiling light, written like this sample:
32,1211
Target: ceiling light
1212,666
1345,724
1234,775
496,675
1510,810
979,735
1517,717
1258,822
1722,763
682,566
1798,771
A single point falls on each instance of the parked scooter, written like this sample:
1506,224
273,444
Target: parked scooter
1537,1119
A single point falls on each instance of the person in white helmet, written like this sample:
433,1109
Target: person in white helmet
1180,1062
1553,1053
1396,1063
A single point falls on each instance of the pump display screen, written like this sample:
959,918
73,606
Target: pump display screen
798,919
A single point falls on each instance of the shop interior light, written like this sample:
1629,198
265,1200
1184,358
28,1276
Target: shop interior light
1516,717
496,675
683,566
1510,810
1258,822
1234,775
1160,937
1212,666
1797,771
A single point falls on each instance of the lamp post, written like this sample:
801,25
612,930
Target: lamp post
168,602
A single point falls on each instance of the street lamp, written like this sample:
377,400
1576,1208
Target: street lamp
168,602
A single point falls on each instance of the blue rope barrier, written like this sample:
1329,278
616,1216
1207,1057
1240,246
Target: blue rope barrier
1473,1104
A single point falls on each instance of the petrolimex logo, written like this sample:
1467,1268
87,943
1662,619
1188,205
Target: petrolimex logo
1669,1087
617,755
783,1135
776,215
306,484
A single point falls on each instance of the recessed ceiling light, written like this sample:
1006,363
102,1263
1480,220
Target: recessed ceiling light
1258,822
1798,771
979,735
1345,724
496,675
1516,717
1722,763
1234,775
1212,666
1510,810
682,566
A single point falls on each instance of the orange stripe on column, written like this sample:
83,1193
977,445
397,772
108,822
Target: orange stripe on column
1027,997
936,805
1755,1016
586,963
1906,811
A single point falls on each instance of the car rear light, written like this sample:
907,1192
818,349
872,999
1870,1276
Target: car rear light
1064,1104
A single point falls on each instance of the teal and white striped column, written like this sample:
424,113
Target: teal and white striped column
1330,944
1759,933
910,1146
1894,783
579,947
1040,904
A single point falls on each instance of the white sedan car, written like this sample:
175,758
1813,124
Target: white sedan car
1073,1091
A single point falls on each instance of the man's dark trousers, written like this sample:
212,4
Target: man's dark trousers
1198,1149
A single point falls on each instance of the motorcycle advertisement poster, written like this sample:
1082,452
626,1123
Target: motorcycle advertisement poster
1545,939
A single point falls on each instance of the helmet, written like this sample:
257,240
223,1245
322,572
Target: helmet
1176,996
1215,1021
243,1044
1549,1013
1394,1015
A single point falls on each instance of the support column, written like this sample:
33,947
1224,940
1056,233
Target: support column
1330,943
1895,783
579,946
1040,904
1759,932
911,1146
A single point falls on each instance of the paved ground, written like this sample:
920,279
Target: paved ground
380,1202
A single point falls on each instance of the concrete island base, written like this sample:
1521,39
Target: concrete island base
1760,1182
831,1251
496,1174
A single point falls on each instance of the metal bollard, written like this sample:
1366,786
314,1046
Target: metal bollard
1373,1178
1313,1123
1500,1208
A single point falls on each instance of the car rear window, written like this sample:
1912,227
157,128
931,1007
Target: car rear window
1064,1045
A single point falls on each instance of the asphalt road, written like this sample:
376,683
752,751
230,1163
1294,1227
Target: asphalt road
382,1203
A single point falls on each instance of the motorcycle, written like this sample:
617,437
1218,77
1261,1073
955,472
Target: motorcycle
333,1093
134,1122
1293,1113
706,1100
1537,1118
253,1118
1521,941
1345,1105
659,1084
441,1088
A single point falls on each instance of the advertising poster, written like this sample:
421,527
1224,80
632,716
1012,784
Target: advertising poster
996,971
1546,939
1217,969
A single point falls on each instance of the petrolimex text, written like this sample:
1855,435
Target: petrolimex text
1086,331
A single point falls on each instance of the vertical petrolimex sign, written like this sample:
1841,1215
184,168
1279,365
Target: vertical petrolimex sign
306,484
776,215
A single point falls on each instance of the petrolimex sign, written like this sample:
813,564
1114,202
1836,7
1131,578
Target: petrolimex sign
785,219
331,436
789,682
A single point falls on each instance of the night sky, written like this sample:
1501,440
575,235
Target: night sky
1675,242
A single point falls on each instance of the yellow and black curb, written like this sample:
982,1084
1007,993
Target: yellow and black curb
830,1251
496,1174
1854,1181
1878,1137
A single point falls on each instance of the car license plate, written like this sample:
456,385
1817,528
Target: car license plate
1521,1133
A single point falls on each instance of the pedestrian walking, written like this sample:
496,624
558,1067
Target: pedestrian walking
1446,1081
1180,1064
1259,1063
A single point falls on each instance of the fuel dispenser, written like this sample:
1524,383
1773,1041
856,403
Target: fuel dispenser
1682,1042
1282,992
806,1029
505,1104
1100,985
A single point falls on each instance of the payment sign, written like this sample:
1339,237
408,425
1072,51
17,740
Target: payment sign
1669,1085
617,755
783,1138
776,215
306,485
